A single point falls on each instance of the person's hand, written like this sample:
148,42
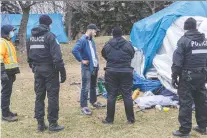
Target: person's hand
85,62
30,65
14,78
62,75
175,82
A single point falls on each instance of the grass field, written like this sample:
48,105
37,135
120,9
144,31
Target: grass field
151,124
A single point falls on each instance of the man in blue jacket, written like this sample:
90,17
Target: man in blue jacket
85,52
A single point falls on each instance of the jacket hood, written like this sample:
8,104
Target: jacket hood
117,42
195,35
40,30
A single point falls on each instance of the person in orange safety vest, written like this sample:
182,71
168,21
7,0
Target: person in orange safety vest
9,69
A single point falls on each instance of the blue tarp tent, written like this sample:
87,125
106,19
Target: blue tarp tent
57,26
148,34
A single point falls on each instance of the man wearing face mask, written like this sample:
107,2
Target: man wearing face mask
45,59
189,66
9,69
85,52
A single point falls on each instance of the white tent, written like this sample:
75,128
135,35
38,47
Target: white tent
162,62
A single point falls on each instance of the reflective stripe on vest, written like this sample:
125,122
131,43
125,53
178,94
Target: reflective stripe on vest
10,51
12,64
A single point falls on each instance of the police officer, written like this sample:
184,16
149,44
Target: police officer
45,59
189,64
118,53
9,69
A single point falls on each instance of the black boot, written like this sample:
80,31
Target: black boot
202,131
180,134
54,127
41,126
106,122
131,122
12,114
9,118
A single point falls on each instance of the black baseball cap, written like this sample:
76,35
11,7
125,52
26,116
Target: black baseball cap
93,26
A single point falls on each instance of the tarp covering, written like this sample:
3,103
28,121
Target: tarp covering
148,34
163,59
144,84
57,26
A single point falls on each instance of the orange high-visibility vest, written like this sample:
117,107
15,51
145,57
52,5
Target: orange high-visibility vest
8,54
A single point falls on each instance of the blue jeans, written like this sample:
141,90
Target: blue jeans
88,84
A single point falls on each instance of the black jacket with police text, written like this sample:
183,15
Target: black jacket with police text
191,52
43,47
118,53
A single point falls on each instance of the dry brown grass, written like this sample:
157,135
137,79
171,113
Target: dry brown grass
152,124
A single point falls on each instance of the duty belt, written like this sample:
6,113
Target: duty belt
39,64
196,71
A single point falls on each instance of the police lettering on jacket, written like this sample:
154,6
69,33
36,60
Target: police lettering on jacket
191,52
37,39
197,44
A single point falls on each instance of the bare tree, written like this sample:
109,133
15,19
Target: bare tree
69,8
10,7
25,6
68,19
48,7
155,6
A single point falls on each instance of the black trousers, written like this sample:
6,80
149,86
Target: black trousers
192,90
46,80
115,83
6,92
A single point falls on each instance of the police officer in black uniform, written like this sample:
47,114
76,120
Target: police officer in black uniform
189,66
45,59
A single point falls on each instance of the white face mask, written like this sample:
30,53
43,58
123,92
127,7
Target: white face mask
11,34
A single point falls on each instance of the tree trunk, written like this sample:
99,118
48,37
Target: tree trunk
23,30
68,18
154,7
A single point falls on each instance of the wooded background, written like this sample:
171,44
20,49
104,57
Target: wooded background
78,14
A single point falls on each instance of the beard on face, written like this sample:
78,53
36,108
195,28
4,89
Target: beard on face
91,35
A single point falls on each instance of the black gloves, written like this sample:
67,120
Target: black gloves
62,74
176,72
14,78
30,65
175,81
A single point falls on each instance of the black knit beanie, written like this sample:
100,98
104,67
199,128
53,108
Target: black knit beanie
45,19
117,32
190,24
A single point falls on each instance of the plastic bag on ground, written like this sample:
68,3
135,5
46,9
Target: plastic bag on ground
149,101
